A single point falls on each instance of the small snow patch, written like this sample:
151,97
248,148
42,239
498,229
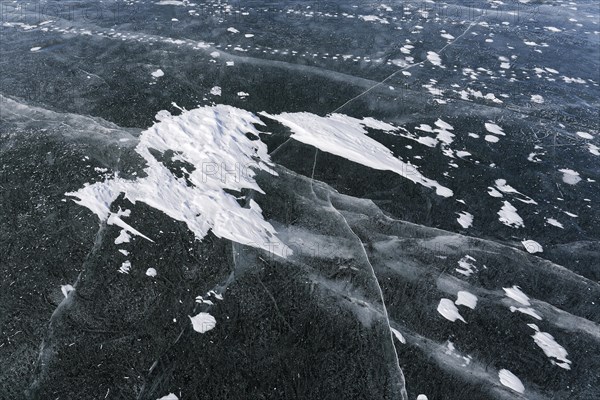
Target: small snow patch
532,246
158,73
449,311
570,177
203,322
509,380
467,299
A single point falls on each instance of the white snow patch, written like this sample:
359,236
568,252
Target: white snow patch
203,322
536,98
466,267
449,311
551,348
434,58
509,380
346,137
465,219
213,139
125,267
584,135
398,336
569,176
532,246
158,73
467,299
554,222
66,289
526,310
493,128
170,396
509,217
517,295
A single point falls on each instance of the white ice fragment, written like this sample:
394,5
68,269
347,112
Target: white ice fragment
449,311
532,246
516,294
215,54
203,322
467,299
491,138
34,49
215,91
151,272
232,30
230,63
158,73
422,397
509,380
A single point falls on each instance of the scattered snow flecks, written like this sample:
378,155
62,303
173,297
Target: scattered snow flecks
203,322
510,380
346,137
449,311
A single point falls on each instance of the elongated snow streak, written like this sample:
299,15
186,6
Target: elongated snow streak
404,69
